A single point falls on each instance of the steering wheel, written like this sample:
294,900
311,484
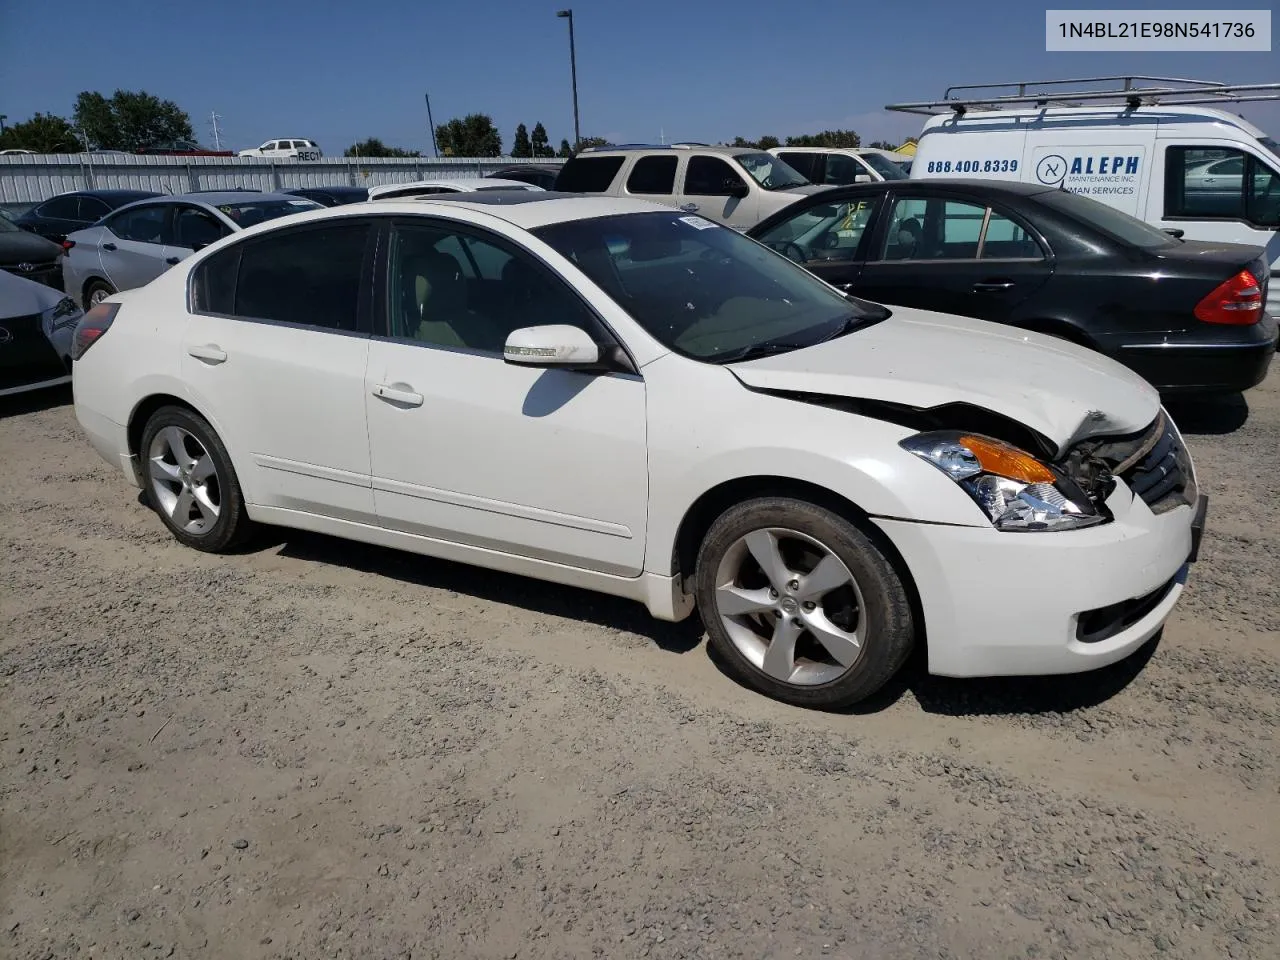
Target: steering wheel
791,250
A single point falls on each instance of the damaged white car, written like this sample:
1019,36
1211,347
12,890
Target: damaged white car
618,396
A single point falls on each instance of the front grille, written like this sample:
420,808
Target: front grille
1153,463
50,273
1161,475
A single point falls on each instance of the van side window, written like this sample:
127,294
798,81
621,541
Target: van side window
1219,183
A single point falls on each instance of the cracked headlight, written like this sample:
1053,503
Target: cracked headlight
65,314
1016,491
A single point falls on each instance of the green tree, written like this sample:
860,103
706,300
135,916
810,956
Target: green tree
883,145
471,136
521,145
541,145
565,150
768,142
593,142
130,120
373,147
827,138
43,133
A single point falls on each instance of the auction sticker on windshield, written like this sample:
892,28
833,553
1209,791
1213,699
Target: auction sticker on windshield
698,223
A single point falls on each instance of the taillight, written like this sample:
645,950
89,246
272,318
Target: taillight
1237,301
92,326
67,245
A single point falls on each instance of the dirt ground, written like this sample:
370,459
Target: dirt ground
315,749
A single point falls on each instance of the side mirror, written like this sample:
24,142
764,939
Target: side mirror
736,188
552,345
1175,232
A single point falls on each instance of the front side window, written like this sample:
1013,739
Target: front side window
701,289
140,224
884,166
808,165
653,176
772,173
827,231
842,169
1221,183
311,277
710,177
447,288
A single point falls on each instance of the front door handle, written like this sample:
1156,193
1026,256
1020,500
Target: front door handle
208,352
172,260
992,286
109,246
689,207
392,394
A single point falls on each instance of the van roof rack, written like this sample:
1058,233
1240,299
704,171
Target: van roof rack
1134,91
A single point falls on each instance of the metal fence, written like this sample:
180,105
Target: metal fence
26,180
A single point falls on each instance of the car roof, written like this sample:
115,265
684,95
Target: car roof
965,185
527,210
229,196
117,193
628,149
334,188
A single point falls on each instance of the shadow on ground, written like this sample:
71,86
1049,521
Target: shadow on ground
1209,416
939,695
15,405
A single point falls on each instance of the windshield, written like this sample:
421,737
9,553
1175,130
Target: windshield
883,166
704,290
770,172
249,212
1270,146
1108,220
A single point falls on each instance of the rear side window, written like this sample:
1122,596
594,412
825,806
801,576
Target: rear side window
709,177
588,174
809,165
60,208
310,277
653,175
140,224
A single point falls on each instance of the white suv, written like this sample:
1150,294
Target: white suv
735,186
298,149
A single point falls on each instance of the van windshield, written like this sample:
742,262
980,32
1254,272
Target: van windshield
1106,220
1270,145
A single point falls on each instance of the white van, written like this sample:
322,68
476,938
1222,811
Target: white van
1155,152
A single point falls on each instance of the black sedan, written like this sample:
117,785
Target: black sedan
1186,315
29,256
69,212
331,196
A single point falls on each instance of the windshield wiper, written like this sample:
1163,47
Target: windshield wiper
757,350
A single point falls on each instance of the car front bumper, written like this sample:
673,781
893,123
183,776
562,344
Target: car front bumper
1015,604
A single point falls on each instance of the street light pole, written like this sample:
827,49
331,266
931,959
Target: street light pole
573,72
432,124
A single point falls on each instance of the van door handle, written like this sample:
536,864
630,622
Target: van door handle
109,246
689,207
208,352
992,286
395,395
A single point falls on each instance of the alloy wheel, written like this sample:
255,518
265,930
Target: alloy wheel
791,606
184,480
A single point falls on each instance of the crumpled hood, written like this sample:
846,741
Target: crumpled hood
21,298
921,359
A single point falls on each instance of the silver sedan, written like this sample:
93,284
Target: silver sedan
136,243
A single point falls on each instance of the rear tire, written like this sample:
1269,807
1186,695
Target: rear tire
801,604
189,481
96,291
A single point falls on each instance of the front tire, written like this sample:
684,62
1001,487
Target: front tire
801,604
189,481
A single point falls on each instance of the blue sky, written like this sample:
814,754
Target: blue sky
693,69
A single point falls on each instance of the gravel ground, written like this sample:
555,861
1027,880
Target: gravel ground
317,749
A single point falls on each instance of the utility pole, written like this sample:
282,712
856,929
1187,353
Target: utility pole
573,72
432,124
217,137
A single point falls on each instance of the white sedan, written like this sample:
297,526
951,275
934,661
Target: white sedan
615,395
427,188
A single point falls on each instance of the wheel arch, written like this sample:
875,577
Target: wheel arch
704,511
90,281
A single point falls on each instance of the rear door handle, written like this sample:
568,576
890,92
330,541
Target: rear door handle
689,207
395,395
172,260
992,286
109,246
208,352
